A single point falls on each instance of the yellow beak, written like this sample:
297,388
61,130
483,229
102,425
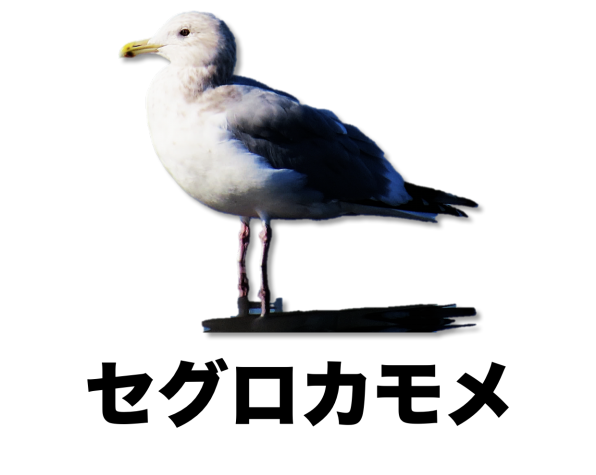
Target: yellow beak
130,50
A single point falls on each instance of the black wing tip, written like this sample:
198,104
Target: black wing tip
469,203
437,196
466,202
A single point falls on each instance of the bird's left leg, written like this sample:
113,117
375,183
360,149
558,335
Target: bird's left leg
264,293
243,303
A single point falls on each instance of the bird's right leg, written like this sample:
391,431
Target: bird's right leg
243,303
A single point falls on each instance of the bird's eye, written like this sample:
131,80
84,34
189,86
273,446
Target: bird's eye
185,32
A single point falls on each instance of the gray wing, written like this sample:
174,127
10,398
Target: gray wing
337,159
244,81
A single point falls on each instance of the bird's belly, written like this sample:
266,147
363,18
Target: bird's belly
217,170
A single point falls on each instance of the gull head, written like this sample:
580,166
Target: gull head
190,40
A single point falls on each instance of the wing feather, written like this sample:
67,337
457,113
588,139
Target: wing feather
337,159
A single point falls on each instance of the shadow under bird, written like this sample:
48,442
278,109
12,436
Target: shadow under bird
243,148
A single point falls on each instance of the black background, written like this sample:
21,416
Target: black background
408,79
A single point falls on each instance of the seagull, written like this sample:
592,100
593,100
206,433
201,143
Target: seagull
245,149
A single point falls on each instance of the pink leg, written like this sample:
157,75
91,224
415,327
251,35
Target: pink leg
264,293
243,304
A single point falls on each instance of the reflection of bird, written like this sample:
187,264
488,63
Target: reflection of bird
245,149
